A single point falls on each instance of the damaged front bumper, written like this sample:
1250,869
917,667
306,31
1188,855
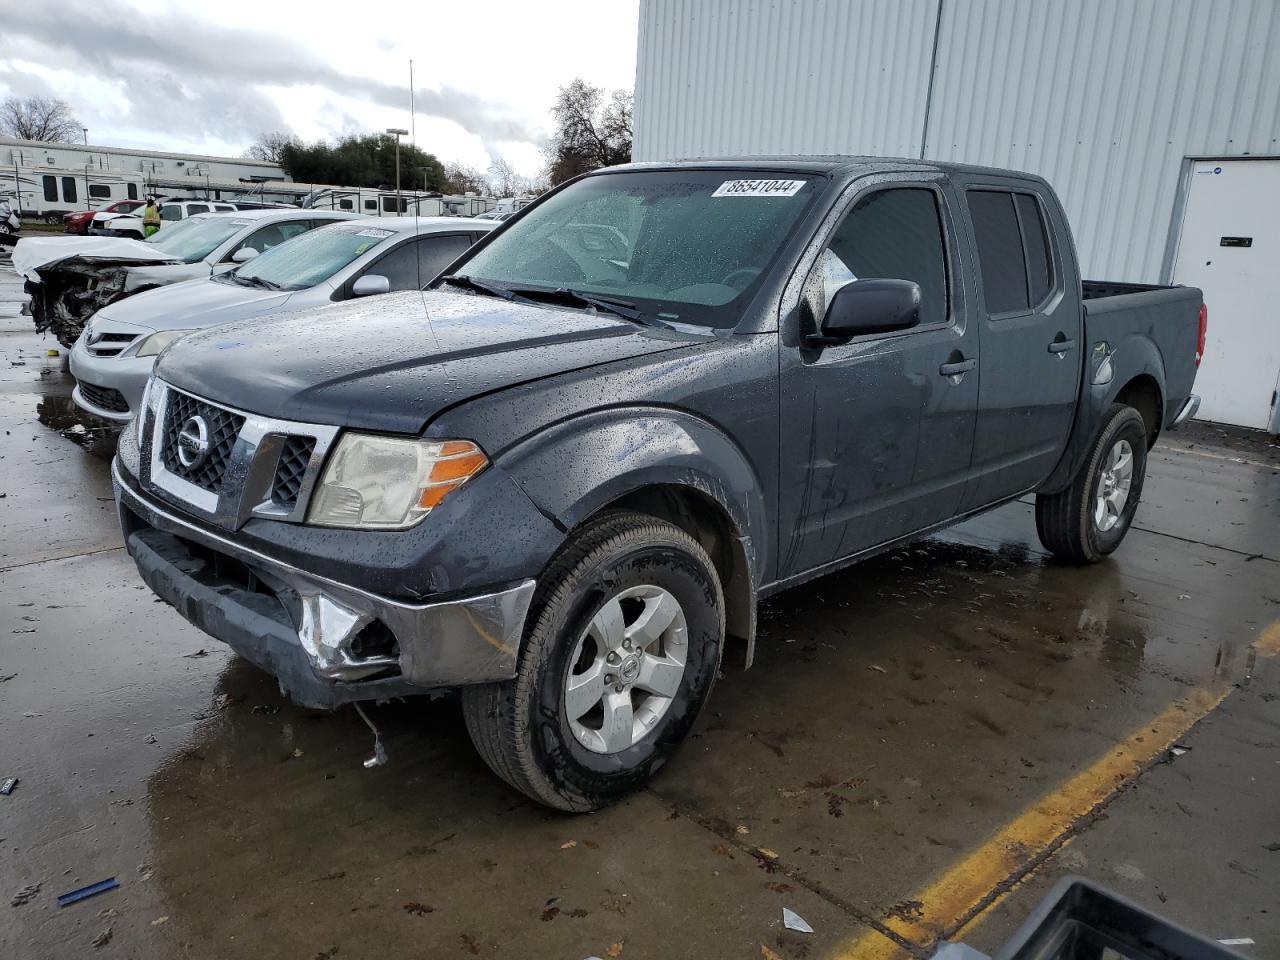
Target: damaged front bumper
327,643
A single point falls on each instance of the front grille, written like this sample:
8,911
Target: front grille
110,344
104,398
294,457
224,427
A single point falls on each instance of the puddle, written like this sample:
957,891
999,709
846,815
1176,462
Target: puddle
82,429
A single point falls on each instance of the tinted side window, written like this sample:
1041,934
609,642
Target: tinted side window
1035,236
50,189
371,204
389,205
69,189
436,253
400,267
133,191
1004,275
170,212
194,208
99,190
345,204
892,235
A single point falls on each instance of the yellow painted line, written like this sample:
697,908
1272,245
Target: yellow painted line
971,883
982,877
1268,642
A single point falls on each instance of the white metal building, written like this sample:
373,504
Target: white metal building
1157,122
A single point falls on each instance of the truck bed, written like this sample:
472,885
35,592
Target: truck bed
1159,323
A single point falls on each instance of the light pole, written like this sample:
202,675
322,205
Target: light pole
87,203
398,134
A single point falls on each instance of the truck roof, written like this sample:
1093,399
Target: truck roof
828,165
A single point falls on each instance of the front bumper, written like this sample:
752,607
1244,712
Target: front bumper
326,642
126,375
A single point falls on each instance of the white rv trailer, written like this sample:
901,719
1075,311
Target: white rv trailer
376,203
45,193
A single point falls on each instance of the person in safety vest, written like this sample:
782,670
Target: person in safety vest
151,217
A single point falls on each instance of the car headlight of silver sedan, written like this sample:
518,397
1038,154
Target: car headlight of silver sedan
390,483
158,341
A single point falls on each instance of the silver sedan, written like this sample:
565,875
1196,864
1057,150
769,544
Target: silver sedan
114,355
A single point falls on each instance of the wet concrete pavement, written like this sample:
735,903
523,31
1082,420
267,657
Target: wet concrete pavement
899,715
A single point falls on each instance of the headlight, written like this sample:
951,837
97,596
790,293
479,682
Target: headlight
158,341
389,483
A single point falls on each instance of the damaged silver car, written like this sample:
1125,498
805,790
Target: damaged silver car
70,278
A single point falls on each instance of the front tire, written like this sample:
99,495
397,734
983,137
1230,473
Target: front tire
1089,519
621,650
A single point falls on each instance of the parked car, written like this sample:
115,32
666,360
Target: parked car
112,360
9,225
70,278
561,478
80,222
130,225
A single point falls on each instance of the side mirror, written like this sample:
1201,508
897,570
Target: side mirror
371,284
870,306
244,255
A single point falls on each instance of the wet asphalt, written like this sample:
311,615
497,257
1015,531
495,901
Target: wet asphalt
898,714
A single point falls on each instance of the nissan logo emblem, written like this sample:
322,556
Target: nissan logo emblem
193,442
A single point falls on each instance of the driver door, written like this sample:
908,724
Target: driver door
881,426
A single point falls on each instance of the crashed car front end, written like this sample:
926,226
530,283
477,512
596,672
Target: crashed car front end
66,296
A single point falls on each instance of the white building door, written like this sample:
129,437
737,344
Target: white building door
1230,249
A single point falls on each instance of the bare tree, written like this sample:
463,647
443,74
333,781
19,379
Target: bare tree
590,133
503,179
39,118
271,147
460,178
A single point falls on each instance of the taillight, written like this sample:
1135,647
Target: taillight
1204,329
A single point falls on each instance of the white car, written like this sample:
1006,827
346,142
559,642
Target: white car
113,357
130,224
68,278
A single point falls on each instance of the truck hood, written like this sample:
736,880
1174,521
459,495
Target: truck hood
393,362
35,253
193,304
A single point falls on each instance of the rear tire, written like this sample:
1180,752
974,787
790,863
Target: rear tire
1089,519
621,649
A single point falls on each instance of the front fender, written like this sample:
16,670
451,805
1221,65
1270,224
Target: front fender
573,469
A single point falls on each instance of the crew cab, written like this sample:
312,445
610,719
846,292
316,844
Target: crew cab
82,222
131,226
562,478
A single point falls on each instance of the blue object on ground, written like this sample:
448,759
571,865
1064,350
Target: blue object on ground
75,896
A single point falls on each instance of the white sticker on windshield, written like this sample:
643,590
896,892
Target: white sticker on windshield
759,188
375,233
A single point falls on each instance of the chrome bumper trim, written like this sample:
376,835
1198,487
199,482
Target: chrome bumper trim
474,639
1188,410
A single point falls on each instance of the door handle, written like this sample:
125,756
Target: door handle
957,368
1061,346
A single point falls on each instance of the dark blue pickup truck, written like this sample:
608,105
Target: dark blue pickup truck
561,476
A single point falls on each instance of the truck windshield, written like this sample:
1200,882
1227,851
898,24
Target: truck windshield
678,245
311,258
196,238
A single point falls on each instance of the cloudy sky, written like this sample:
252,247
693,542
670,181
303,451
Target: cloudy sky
209,77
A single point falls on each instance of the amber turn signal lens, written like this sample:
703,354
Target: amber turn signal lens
432,496
457,468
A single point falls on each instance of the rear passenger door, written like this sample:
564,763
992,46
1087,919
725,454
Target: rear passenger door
1030,328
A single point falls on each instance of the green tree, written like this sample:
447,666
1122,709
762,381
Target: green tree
368,160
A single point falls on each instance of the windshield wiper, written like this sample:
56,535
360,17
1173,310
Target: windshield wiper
615,305
480,286
258,282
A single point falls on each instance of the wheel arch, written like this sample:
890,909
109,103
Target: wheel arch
664,463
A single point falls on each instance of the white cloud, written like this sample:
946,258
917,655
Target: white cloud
178,76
